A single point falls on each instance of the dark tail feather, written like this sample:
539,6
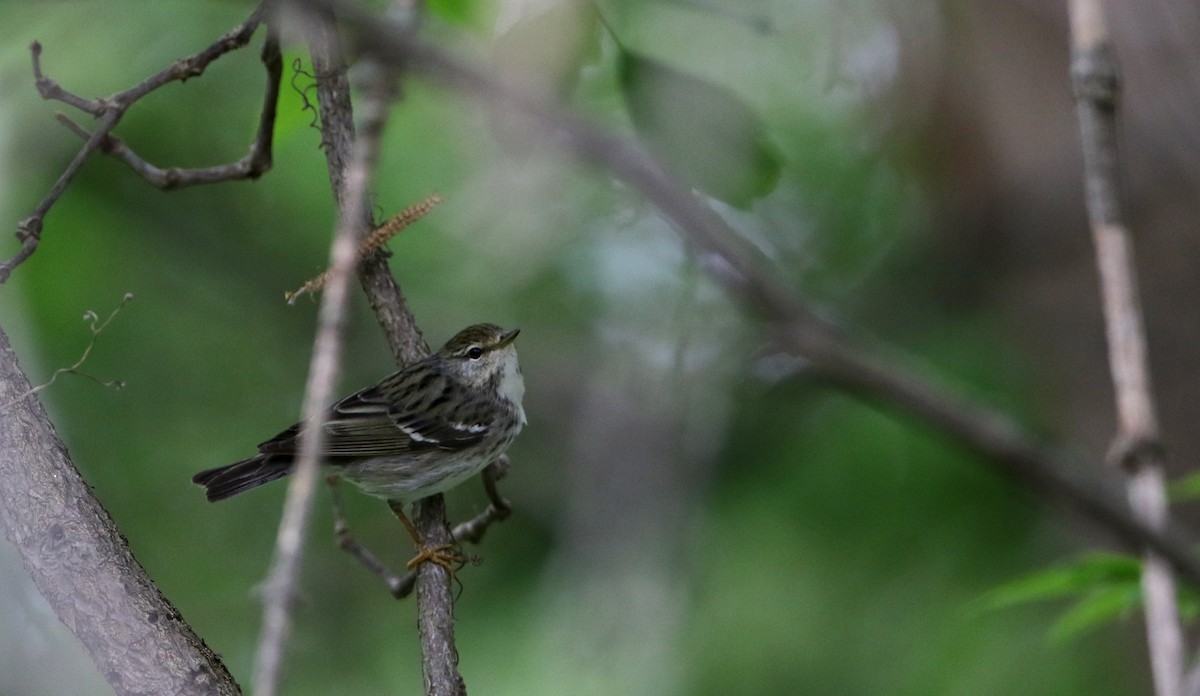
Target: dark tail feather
225,481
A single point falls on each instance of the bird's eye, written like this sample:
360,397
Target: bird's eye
475,353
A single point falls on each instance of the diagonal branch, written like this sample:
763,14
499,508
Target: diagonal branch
1137,447
871,372
111,109
81,563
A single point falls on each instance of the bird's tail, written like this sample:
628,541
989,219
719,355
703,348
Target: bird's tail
229,480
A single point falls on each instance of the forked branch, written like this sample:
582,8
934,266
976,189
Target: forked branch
110,110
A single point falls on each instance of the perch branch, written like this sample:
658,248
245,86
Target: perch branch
435,598
1137,448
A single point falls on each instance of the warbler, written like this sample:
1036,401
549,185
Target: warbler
420,431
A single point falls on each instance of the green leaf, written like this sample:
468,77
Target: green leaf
1087,574
1099,607
460,12
701,131
1186,488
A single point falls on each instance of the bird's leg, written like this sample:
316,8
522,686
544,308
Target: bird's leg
399,587
444,555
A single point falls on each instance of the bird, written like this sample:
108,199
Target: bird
420,431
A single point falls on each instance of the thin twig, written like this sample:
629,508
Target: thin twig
472,530
323,372
399,587
96,327
29,230
251,166
872,372
375,241
1137,449
111,109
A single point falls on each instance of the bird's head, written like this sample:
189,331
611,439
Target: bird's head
484,355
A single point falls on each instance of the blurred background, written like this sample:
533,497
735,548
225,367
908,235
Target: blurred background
694,514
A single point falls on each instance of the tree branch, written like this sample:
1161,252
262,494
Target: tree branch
435,598
1137,447
871,372
250,166
110,110
82,564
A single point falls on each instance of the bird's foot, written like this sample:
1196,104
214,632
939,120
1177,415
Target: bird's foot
445,555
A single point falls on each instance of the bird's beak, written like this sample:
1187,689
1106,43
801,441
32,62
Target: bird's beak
507,338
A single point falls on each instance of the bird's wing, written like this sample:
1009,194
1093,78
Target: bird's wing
427,423
361,425
376,422
357,426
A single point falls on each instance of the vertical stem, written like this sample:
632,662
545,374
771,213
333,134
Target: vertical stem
435,606
1137,448
435,596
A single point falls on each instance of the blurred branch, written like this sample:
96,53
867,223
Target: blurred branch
1137,447
435,599
872,372
353,225
82,564
111,109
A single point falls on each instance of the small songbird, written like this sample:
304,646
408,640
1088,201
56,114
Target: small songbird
420,431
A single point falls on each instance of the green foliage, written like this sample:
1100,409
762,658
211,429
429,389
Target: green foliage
455,11
1184,489
1106,587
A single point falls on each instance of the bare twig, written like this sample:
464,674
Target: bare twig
323,373
848,362
472,530
96,327
251,166
1137,447
373,242
111,109
400,587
